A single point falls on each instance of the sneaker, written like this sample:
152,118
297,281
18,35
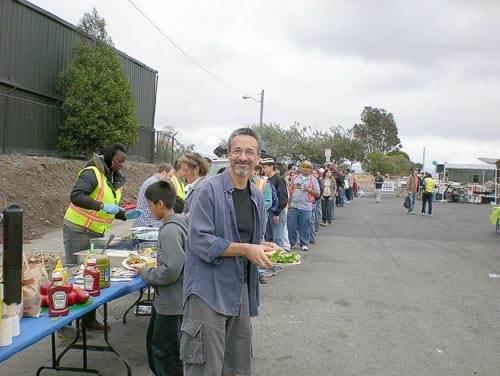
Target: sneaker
322,224
96,326
304,248
312,241
412,212
423,214
67,333
430,215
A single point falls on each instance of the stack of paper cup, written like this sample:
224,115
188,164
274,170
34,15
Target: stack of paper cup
6,331
14,326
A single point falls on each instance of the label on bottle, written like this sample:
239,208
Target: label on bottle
107,274
88,282
59,300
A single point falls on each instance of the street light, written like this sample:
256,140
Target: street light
261,103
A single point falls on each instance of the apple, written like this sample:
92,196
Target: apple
44,288
72,298
82,296
69,286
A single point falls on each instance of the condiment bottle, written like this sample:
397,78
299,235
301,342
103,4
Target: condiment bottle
58,296
60,268
91,277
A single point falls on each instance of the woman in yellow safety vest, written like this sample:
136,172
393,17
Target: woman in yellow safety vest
428,193
94,204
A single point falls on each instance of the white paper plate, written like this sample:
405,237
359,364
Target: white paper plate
125,265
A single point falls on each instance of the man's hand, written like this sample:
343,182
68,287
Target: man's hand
255,254
276,219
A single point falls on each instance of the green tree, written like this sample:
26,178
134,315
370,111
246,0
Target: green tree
98,103
345,147
376,161
377,131
398,164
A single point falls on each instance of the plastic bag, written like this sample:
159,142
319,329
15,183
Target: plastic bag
33,276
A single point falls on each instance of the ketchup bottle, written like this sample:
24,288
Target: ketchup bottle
58,296
91,277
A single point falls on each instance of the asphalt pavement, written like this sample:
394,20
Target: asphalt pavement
382,293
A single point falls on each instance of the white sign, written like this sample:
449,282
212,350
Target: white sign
388,187
328,153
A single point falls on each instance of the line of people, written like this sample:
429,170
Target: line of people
213,237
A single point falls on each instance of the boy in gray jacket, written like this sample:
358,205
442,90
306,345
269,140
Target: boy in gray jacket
164,331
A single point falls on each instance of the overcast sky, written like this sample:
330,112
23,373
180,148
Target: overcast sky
433,64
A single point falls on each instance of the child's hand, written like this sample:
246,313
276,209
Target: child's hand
137,267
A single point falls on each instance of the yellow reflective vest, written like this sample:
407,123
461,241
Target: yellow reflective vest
96,221
179,187
429,185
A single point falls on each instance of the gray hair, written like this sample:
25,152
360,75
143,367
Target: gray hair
245,131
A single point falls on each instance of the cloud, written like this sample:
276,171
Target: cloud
432,64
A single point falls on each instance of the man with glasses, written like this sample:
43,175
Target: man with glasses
225,246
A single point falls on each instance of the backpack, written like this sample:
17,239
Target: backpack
276,199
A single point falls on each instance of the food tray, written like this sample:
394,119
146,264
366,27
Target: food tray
116,243
116,256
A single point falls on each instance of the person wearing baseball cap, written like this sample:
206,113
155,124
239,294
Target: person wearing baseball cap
303,190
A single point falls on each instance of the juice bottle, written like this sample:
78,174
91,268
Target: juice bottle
58,296
91,277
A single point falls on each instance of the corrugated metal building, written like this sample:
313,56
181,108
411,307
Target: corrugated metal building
35,46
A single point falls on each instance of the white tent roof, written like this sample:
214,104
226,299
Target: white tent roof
492,161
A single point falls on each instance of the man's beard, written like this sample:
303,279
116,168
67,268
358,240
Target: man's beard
241,171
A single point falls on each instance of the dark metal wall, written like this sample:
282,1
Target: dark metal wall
35,47
467,175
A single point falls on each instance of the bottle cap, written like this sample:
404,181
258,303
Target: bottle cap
91,261
57,275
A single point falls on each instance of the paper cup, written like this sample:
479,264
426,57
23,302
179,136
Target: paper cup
14,326
6,331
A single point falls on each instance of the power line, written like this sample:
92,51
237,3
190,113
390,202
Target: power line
183,52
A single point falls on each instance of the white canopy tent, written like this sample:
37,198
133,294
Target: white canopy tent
494,163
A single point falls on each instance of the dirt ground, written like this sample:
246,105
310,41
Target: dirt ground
41,187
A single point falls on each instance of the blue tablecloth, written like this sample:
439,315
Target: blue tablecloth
33,330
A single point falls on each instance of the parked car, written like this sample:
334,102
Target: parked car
217,164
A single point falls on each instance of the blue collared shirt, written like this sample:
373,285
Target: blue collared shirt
217,280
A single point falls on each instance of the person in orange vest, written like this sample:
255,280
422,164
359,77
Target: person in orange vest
261,183
94,204
412,185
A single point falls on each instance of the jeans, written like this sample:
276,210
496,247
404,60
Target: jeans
427,197
299,220
327,207
348,194
276,233
315,219
163,340
412,196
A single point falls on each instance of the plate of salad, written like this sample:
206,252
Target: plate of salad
283,258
